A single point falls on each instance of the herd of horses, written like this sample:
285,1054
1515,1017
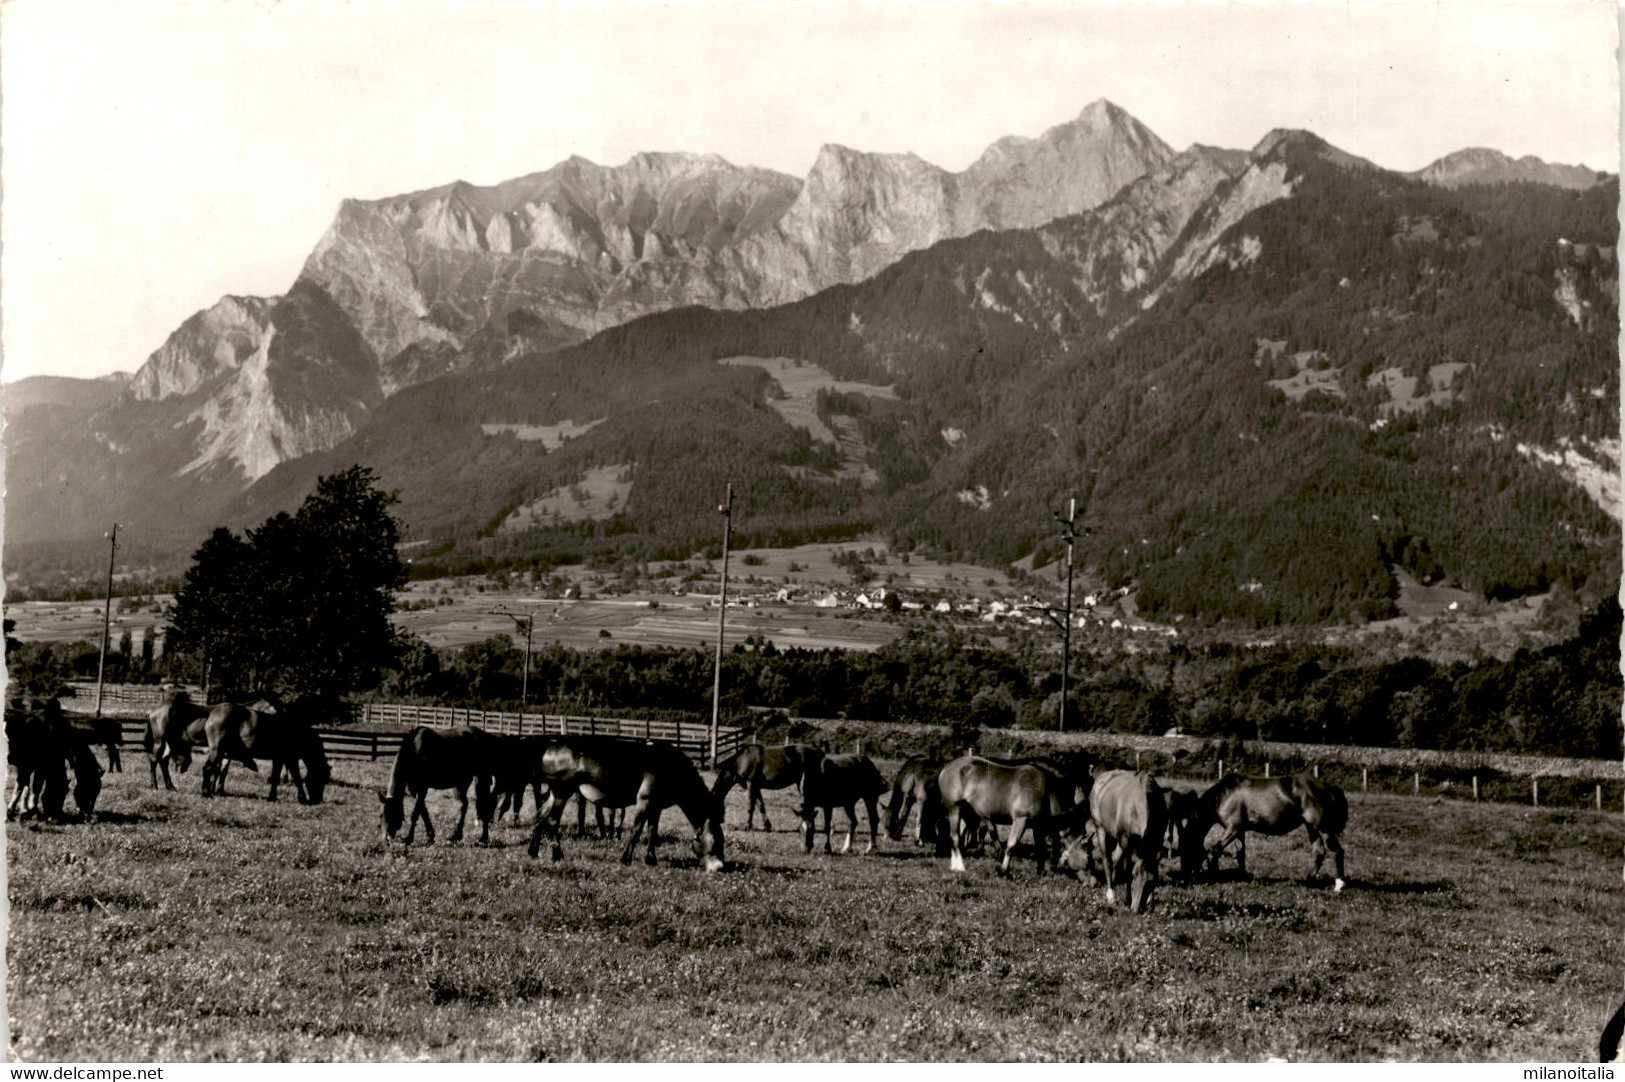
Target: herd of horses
1116,825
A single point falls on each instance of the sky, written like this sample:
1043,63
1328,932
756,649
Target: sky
156,155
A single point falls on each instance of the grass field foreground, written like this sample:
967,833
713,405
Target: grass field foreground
235,929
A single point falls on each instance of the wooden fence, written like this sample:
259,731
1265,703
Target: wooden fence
377,743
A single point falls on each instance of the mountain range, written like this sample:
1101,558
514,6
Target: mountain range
1221,349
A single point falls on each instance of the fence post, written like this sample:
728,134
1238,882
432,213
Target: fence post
1475,786
1221,769
1599,796
1317,770
1365,778
1416,783
1266,768
1534,791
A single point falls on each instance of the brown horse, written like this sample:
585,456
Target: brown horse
975,789
258,731
762,766
1129,816
167,738
915,786
647,776
840,781
1277,806
440,759
42,747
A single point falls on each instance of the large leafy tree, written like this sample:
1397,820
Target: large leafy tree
300,606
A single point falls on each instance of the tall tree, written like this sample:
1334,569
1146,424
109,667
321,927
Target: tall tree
301,607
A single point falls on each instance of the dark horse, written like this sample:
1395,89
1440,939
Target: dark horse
43,747
245,733
441,759
975,790
840,781
1276,806
762,766
1128,814
647,776
915,786
108,733
168,737
1187,824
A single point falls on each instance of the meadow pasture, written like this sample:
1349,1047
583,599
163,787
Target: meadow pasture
176,928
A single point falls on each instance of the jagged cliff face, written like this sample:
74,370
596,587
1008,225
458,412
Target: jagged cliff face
415,286
404,290
1481,165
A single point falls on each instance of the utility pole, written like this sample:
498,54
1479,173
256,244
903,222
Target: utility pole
727,512
529,623
1069,534
107,616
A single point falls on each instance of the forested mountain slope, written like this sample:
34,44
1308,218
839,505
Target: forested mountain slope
1266,384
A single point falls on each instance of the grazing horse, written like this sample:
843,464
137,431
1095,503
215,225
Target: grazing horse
1278,806
258,731
168,735
440,759
43,747
763,766
647,776
1129,816
975,789
840,781
915,785
1188,825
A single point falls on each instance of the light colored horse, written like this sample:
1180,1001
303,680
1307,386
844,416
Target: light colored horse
1277,806
975,789
1129,816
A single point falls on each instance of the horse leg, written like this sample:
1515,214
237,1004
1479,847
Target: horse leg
547,821
1140,886
1018,827
462,813
1109,859
829,826
1335,844
851,826
873,807
956,859
757,800
640,819
276,777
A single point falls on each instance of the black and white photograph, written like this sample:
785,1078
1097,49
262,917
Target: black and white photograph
812,531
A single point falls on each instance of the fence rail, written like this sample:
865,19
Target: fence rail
694,739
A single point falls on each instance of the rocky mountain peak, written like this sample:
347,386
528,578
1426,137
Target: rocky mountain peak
1482,165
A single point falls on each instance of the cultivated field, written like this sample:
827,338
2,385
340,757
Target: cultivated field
179,929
